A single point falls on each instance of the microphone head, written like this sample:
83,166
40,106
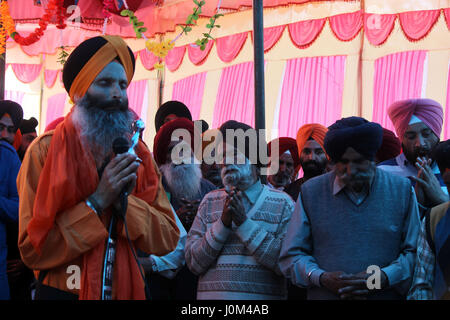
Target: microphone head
120,145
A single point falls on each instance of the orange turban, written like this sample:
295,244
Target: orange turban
315,131
90,58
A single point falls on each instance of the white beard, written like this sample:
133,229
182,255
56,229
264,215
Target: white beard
241,178
99,128
184,180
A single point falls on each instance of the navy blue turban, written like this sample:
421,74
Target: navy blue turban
363,136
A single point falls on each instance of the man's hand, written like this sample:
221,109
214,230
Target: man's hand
227,211
332,281
428,189
146,263
15,269
237,206
120,172
357,288
187,212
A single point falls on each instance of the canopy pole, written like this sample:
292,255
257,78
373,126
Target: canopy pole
258,47
2,75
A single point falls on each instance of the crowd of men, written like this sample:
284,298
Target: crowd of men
87,211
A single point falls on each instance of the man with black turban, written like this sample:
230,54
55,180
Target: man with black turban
350,219
84,207
28,131
10,117
171,110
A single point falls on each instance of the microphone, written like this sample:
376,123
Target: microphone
121,145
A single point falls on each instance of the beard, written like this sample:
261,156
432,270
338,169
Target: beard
313,168
282,178
184,180
358,180
239,176
100,123
412,155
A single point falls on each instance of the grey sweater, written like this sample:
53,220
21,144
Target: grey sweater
331,233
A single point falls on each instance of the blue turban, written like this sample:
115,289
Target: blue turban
363,136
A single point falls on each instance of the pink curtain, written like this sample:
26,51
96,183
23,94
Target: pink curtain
417,24
136,91
229,47
304,33
16,96
378,27
347,26
50,77
175,57
26,73
235,98
312,93
55,107
271,36
197,55
447,111
397,76
190,91
148,59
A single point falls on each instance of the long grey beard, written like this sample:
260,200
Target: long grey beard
99,128
184,180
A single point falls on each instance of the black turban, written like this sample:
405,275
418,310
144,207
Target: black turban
441,154
363,136
98,52
14,110
28,126
171,107
235,125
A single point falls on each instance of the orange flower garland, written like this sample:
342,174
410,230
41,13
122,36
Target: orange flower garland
54,7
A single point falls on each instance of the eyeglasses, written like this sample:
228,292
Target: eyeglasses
10,129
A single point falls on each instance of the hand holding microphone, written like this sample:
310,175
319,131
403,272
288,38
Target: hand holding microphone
119,177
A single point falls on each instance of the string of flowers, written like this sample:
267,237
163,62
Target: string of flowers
3,36
54,7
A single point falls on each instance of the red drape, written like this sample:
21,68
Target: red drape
304,33
397,76
346,26
26,73
50,77
378,27
312,93
190,91
175,57
235,97
229,47
417,24
148,59
271,36
197,55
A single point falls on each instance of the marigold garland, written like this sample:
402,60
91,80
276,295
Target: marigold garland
54,7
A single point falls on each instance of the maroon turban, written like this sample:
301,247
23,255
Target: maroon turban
390,146
164,137
287,144
427,110
52,125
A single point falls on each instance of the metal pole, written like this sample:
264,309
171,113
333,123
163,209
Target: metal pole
258,45
2,75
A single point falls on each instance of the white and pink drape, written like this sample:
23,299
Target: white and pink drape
136,92
190,91
16,96
235,98
397,76
446,127
26,73
55,107
312,93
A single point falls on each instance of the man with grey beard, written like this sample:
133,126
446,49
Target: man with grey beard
353,221
235,240
85,208
185,187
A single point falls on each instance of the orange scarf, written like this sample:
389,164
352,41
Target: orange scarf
68,177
